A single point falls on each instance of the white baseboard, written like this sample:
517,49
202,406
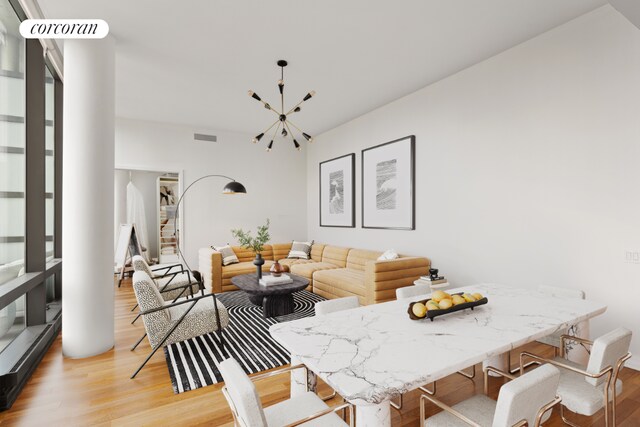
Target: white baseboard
633,363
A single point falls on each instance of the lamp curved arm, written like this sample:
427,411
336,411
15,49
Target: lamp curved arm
175,218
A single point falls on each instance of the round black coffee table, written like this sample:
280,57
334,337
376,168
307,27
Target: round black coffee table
275,300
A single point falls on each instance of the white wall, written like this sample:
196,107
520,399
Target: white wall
527,167
275,189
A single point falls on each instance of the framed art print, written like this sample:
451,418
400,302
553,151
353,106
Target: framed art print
388,185
337,192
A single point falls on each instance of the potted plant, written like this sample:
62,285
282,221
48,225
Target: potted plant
256,244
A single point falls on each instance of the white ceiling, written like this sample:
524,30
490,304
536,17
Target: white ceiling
192,61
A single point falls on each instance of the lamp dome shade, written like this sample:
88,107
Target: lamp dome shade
234,187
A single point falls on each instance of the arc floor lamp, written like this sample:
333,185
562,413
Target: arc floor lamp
232,187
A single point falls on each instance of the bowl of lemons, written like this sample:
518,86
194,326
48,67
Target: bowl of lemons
442,303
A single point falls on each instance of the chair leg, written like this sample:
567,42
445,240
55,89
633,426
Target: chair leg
145,362
469,376
564,419
429,392
397,406
134,307
134,320
139,341
328,397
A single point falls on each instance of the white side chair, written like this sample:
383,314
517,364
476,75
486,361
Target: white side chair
247,410
586,390
521,402
337,304
412,291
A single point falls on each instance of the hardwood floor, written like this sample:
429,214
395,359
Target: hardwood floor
98,391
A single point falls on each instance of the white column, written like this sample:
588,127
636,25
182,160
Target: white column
88,163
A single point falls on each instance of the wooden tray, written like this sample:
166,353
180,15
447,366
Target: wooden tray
435,313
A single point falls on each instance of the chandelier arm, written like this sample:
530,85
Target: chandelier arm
273,138
287,123
291,123
269,128
294,107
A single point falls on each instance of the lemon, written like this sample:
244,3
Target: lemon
446,303
468,298
457,299
419,310
438,296
432,305
477,296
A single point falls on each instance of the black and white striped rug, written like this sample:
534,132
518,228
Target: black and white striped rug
194,363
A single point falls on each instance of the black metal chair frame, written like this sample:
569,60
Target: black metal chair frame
193,301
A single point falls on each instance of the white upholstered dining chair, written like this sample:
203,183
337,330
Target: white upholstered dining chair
521,402
306,409
586,390
337,304
412,291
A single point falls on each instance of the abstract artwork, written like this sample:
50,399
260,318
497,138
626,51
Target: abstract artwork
337,192
388,185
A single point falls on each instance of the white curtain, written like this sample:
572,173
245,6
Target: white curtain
136,215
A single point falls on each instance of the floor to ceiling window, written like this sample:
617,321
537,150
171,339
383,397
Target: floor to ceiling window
12,168
30,203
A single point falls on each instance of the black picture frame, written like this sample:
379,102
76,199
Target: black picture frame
351,200
412,184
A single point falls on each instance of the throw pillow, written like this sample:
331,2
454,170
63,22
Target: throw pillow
300,250
228,256
387,255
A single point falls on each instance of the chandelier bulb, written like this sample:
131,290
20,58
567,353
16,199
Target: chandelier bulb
270,145
309,95
280,82
254,95
257,138
296,144
307,136
267,106
297,109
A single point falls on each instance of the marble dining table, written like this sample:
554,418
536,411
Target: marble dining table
374,353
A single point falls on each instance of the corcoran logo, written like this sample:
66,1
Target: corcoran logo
64,29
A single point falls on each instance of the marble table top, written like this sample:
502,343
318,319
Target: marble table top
373,353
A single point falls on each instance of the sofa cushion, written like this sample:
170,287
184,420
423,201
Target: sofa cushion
245,254
228,255
316,251
348,279
280,250
306,270
357,258
300,250
335,255
291,261
243,268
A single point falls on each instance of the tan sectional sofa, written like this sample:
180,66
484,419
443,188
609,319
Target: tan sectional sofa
333,271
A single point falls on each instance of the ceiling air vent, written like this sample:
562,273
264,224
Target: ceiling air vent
205,137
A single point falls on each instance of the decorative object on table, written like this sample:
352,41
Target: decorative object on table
271,280
276,269
388,185
256,244
228,255
338,192
275,300
283,118
232,187
442,303
255,355
300,250
433,280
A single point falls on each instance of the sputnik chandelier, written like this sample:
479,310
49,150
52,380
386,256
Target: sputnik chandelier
283,118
